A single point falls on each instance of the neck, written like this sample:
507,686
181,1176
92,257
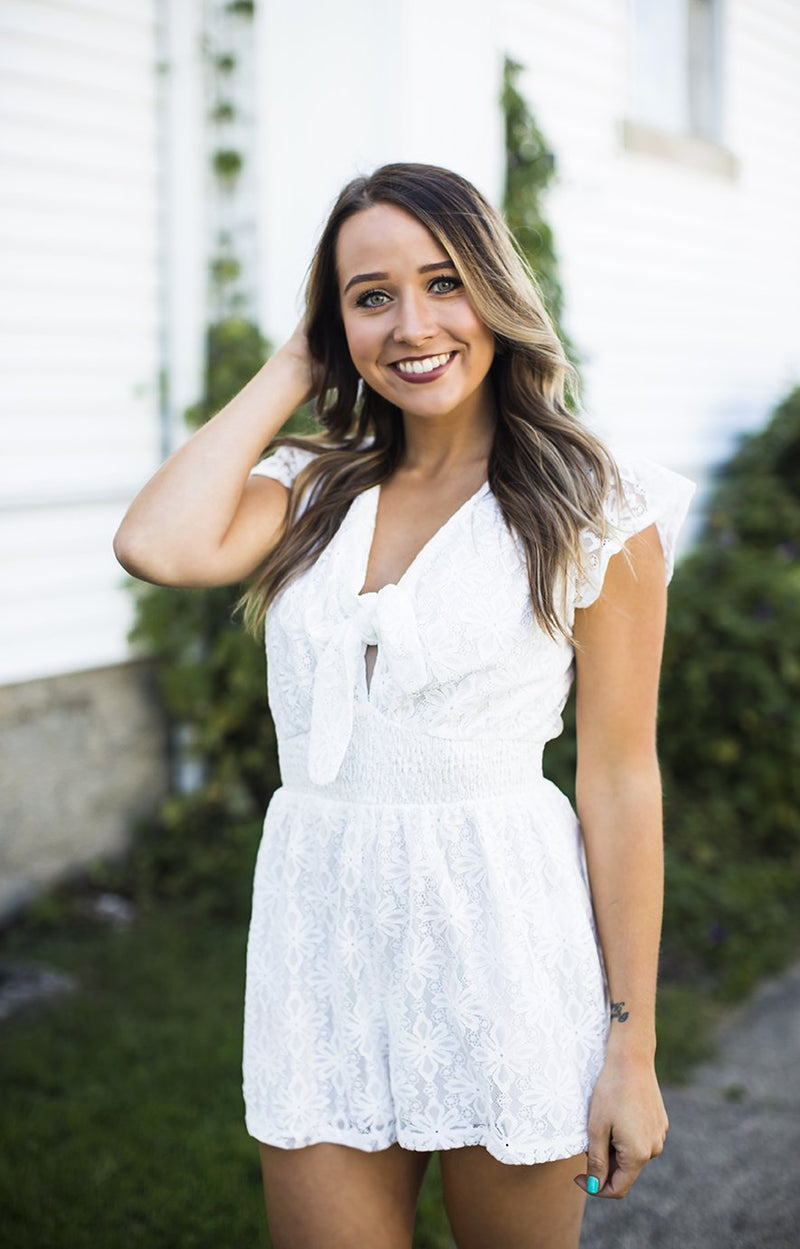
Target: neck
462,437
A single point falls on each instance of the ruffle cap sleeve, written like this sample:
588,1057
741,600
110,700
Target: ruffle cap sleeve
283,464
651,495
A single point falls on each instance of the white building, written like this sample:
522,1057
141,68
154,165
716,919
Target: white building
674,127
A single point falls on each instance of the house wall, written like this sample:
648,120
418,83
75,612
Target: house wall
372,84
679,259
84,755
81,742
79,336
680,277
680,263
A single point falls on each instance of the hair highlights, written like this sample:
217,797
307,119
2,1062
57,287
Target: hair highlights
548,472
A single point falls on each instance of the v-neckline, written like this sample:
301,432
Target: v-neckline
372,520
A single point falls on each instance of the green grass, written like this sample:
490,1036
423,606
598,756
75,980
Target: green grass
121,1120
687,1020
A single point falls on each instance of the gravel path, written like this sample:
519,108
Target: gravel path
729,1177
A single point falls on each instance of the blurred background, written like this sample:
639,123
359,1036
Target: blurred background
166,162
165,169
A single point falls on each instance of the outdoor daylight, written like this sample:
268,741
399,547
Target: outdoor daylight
399,624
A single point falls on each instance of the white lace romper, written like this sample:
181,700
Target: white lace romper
422,962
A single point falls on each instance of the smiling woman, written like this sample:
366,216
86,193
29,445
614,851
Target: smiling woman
419,326
443,954
500,397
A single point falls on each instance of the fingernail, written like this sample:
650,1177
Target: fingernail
593,1185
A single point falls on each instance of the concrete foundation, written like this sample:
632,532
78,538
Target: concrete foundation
81,757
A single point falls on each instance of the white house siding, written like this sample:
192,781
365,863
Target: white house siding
79,320
346,87
79,362
681,287
681,283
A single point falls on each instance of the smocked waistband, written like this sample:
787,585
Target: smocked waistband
385,762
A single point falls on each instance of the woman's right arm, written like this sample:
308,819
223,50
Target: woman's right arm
202,520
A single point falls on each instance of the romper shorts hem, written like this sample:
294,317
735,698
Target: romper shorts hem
499,1148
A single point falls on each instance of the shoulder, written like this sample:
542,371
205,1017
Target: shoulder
284,463
650,498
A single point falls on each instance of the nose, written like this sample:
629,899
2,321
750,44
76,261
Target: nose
414,324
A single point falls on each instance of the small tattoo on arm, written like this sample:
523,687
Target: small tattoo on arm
618,1013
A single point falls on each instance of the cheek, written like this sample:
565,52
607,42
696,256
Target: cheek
486,344
475,331
359,342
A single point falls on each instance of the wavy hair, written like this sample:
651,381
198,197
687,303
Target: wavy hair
547,471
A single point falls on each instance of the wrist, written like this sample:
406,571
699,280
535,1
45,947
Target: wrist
637,1043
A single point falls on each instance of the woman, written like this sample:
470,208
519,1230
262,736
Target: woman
441,957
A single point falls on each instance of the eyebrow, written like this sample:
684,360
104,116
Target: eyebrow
382,277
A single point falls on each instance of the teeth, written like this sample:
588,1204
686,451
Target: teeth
423,366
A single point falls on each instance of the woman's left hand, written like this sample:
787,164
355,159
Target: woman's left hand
627,1124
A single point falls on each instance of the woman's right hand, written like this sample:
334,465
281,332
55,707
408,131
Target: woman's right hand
201,519
297,350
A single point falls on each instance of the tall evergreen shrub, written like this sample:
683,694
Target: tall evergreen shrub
730,720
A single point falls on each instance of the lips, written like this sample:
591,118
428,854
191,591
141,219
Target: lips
422,368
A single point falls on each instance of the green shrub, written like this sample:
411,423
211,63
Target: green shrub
730,720
211,678
729,724
530,167
193,851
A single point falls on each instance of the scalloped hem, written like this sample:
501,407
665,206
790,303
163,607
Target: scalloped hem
503,1151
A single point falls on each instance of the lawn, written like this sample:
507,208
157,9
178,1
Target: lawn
121,1120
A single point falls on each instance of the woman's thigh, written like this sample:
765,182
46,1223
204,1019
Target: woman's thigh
338,1197
496,1205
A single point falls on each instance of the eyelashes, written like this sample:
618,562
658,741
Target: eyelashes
364,299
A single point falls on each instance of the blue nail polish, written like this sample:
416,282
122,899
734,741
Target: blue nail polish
593,1185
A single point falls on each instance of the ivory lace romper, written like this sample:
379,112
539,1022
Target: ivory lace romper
422,961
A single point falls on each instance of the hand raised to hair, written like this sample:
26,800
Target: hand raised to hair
297,350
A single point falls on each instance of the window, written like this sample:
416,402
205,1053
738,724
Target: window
676,71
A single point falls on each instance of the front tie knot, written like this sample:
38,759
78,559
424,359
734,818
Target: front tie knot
384,618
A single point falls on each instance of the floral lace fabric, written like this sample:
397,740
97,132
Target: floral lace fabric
423,964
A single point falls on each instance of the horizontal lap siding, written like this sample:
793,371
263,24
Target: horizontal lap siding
79,320
681,285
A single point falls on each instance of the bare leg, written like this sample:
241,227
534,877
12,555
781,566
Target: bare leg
495,1205
329,1196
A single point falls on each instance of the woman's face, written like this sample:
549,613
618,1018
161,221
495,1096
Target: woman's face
412,332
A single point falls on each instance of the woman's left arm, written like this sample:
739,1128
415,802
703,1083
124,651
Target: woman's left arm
618,796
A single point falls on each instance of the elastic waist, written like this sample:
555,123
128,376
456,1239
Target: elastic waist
387,763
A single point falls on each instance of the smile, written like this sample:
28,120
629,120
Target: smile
425,368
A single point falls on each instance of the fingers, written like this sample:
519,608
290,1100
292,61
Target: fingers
614,1174
621,1179
599,1161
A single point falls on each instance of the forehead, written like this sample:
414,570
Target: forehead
383,237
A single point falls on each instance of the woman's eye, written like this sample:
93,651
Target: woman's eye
367,299
377,299
452,284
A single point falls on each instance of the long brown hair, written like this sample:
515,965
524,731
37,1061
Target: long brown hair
548,472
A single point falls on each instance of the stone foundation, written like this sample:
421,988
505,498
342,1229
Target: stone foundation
82,756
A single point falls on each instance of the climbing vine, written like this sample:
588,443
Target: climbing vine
530,168
210,673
